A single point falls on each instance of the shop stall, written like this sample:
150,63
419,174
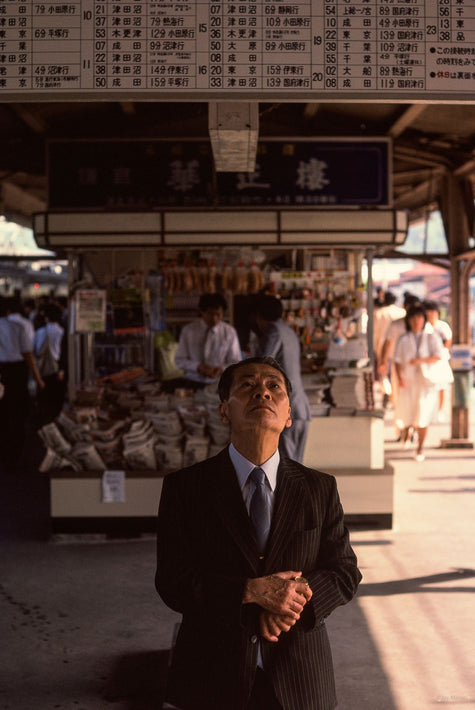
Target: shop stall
121,432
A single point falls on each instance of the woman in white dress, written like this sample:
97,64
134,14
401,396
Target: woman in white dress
444,331
418,398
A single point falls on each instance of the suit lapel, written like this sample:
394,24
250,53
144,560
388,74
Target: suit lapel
230,508
290,495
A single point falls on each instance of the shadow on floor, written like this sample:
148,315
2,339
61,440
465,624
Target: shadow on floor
413,585
138,681
361,682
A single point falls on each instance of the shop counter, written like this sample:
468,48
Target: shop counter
339,442
351,448
77,503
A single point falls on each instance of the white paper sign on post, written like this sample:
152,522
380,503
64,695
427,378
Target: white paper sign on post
90,311
113,487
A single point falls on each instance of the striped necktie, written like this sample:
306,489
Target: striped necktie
259,509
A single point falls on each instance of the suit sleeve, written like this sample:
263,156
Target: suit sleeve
182,578
335,578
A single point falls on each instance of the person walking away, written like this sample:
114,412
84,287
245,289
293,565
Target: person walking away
418,398
16,358
50,336
278,340
383,317
16,314
253,552
395,329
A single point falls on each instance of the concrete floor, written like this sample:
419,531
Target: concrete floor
82,628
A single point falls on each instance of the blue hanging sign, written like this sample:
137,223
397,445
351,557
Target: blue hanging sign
147,174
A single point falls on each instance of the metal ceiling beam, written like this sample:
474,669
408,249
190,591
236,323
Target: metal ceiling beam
466,169
405,177
17,201
30,117
420,157
406,118
424,193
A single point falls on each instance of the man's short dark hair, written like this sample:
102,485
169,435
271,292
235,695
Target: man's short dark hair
52,313
13,304
389,298
212,300
269,308
410,300
227,377
431,306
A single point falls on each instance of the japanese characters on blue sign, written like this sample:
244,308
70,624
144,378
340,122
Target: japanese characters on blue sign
138,174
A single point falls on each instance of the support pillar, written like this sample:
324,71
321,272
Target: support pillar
456,222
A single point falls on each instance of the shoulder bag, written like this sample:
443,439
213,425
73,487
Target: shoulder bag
437,373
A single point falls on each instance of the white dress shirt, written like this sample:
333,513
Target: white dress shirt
54,332
13,341
243,468
219,348
26,324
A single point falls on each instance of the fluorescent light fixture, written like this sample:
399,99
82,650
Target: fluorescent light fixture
233,129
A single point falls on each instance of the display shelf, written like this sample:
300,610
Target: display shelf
77,506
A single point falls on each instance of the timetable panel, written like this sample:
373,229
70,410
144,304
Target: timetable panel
255,49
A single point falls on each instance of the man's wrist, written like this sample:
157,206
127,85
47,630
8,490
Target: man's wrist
248,595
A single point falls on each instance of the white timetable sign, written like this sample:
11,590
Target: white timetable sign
288,49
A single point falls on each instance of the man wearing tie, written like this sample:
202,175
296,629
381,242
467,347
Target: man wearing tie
208,345
253,552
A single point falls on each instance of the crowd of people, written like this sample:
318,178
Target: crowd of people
33,368
412,352
411,346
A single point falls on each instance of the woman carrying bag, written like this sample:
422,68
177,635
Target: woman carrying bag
415,356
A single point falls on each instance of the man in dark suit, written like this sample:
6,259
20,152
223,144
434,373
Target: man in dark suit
254,563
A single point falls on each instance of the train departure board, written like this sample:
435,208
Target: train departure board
267,49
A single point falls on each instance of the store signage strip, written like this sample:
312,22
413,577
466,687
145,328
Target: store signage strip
165,173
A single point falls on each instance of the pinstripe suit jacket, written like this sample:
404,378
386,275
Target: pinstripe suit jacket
205,552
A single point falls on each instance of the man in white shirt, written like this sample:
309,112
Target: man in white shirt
208,345
383,317
16,358
16,315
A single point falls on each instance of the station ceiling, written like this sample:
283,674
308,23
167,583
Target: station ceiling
429,139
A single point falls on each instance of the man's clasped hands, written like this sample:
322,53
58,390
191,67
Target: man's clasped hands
282,599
